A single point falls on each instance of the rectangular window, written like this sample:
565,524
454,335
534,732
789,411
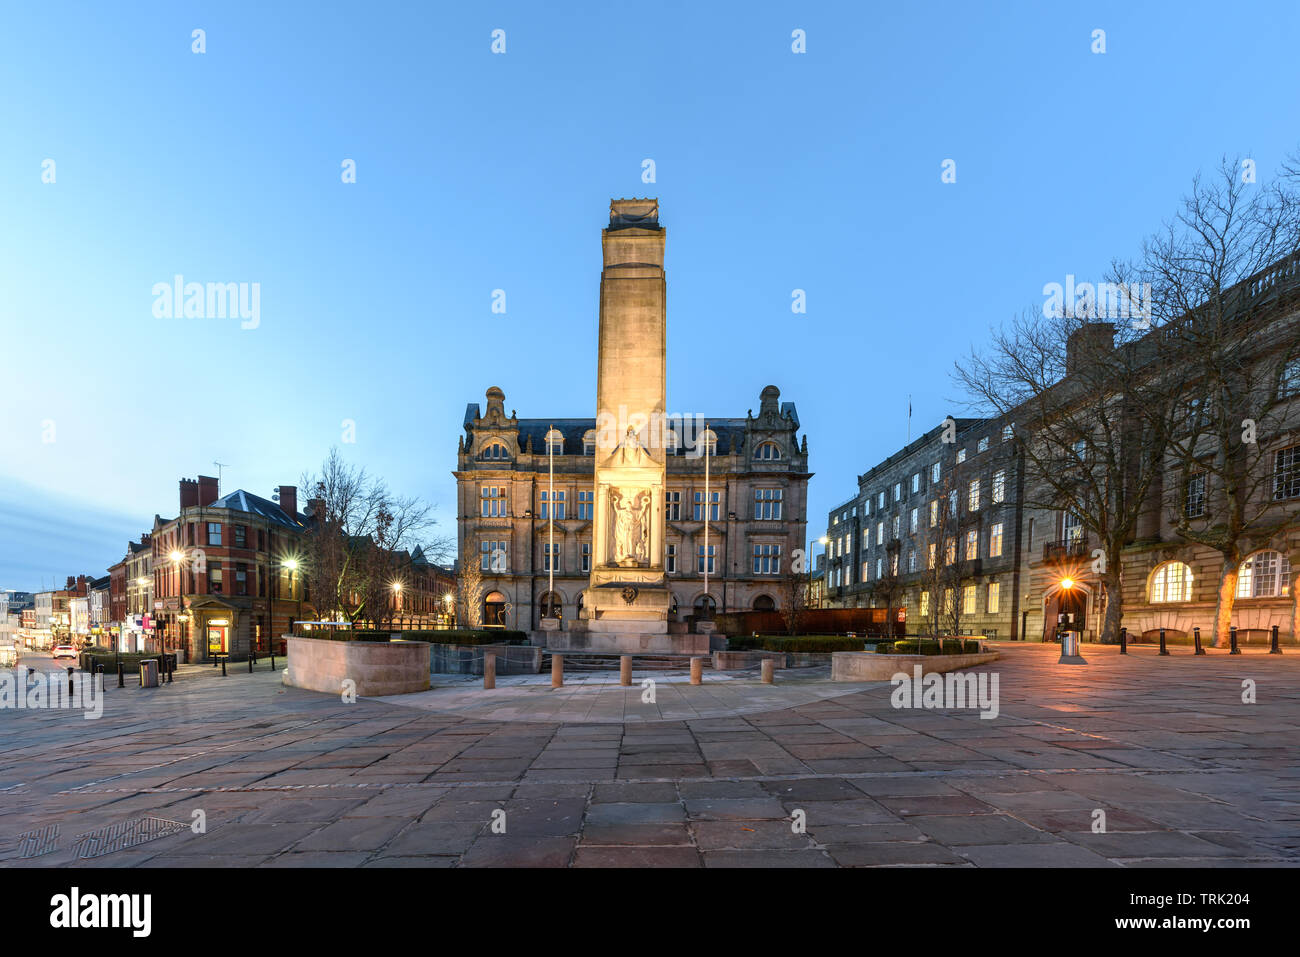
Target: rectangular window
493,501
1008,433
925,604
995,541
865,572
893,528
241,579
673,506
700,557
983,445
767,504
961,456
972,545
215,582
880,500
545,508
494,557
930,559
715,500
586,504
934,513
214,533
1072,527
950,552
913,519
995,597
1288,383
1286,473
586,557
916,482
968,600
911,560
550,557
241,536
898,491
767,559
999,486
952,503
973,496
880,568
670,559
934,473
1194,507
880,533
866,537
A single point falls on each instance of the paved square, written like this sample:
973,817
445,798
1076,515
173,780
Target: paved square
721,774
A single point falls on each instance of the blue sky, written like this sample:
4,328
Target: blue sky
476,172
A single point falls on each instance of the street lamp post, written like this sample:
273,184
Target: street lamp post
177,557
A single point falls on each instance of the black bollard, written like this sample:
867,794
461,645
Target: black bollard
1163,649
1274,648
69,681
1232,640
1196,635
250,663
121,676
272,659
223,666
1123,641
99,670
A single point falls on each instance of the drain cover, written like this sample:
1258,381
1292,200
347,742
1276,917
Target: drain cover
115,837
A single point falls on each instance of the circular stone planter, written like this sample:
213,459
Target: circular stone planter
869,666
377,667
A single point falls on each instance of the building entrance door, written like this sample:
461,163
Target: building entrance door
218,639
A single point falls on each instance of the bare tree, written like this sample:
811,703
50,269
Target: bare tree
1221,271
469,594
1092,420
794,588
945,555
358,534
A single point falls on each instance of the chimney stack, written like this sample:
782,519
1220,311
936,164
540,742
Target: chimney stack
289,500
1087,344
189,493
207,489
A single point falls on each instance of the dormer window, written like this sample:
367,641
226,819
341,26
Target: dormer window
494,451
767,451
710,440
589,442
670,441
553,444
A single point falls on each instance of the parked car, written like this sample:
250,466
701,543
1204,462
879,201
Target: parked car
64,651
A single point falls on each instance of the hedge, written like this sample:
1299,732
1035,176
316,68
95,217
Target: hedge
808,644
931,646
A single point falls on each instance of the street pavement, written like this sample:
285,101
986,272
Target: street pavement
803,773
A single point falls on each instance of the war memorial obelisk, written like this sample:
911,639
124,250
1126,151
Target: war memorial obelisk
626,603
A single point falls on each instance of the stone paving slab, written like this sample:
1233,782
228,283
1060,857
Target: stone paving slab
731,773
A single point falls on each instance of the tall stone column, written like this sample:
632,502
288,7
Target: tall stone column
627,592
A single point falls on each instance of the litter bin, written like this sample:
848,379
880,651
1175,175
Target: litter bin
1070,644
149,673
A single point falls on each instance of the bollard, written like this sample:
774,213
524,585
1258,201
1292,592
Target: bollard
697,670
557,671
489,671
171,668
121,676
625,670
250,662
1123,641
1163,649
272,659
99,670
223,666
69,681
1232,640
765,671
1274,648
1196,636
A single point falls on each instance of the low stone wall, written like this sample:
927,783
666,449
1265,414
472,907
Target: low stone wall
743,660
468,659
377,667
869,666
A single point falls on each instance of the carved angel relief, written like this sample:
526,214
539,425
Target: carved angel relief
631,526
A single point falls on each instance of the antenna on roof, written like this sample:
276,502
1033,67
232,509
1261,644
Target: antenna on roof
220,466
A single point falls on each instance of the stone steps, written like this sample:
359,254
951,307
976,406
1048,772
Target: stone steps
593,662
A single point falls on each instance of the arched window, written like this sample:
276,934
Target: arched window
494,610
1264,575
494,451
764,603
553,444
767,451
589,442
705,606
1171,582
710,440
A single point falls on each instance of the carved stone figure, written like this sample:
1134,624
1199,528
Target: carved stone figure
631,526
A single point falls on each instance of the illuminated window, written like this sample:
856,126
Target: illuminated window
995,540
1171,582
1264,575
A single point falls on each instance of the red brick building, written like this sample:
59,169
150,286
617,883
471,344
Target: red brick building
225,576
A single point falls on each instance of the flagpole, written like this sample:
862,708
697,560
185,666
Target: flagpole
706,515
550,521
